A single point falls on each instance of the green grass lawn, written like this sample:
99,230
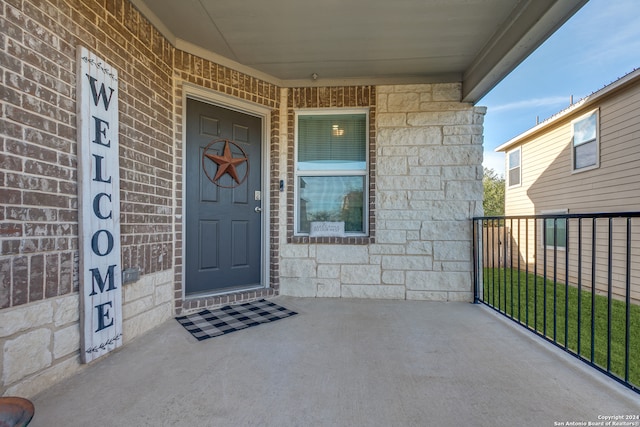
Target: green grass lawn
522,296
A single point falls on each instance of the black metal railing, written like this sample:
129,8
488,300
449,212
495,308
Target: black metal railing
573,279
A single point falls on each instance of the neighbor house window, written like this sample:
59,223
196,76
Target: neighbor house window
555,235
332,170
585,142
513,159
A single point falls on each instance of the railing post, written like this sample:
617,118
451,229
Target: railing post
476,259
627,300
579,351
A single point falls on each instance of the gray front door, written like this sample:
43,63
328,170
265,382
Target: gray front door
223,219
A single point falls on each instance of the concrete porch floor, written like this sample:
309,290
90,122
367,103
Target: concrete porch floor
340,363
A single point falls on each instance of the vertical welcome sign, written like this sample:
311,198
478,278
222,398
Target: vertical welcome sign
98,206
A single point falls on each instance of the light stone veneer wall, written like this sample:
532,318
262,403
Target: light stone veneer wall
428,187
40,342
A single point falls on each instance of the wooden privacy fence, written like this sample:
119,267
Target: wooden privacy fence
493,249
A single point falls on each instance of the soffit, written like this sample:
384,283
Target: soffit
476,42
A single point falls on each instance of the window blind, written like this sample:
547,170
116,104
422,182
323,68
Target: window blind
332,138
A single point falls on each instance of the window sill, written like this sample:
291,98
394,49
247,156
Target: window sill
557,248
351,240
585,169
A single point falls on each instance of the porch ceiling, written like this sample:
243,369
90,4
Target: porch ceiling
476,42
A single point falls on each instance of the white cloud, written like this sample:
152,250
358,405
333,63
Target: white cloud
495,161
608,33
530,103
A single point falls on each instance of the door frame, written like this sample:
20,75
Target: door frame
198,93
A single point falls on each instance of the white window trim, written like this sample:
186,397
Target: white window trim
365,173
554,212
573,151
519,184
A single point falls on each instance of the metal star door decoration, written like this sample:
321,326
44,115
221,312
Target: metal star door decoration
226,163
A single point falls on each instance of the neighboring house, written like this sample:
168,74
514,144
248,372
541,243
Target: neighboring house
238,126
585,159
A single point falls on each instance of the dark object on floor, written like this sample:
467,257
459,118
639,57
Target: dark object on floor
15,411
212,323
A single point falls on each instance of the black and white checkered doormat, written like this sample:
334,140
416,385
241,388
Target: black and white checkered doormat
212,323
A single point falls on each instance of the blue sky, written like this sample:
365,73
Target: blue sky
598,45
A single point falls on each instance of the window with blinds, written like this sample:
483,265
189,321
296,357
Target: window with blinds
555,233
585,142
331,170
332,142
514,168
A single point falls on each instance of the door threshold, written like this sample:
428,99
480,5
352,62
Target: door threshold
225,291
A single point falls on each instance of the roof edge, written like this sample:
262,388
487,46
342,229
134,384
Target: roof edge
530,23
580,105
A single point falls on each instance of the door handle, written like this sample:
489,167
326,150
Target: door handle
258,209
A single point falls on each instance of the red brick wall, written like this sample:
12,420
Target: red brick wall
38,179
